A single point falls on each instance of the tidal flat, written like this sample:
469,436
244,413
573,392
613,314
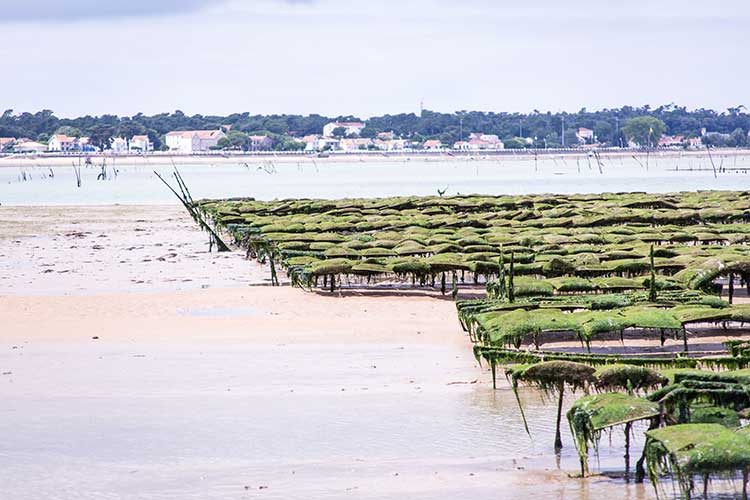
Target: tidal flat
112,388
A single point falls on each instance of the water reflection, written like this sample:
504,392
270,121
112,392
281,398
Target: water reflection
388,177
305,421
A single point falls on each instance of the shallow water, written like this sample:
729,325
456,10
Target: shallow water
309,421
136,184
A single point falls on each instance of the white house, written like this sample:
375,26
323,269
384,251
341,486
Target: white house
260,142
491,138
191,141
29,147
118,145
671,140
352,128
61,142
141,143
585,135
185,141
318,143
327,143
354,144
484,144
85,144
311,142
479,141
391,145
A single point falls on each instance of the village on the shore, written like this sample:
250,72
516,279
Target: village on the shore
336,136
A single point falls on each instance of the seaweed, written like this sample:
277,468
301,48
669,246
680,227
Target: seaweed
704,450
630,378
590,415
551,377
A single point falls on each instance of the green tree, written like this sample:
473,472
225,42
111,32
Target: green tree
514,143
101,135
644,130
289,144
235,140
128,128
552,140
604,131
738,138
69,131
339,132
368,132
571,139
286,143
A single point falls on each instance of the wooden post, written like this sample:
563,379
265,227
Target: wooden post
558,438
511,285
640,471
661,415
274,277
705,485
731,287
652,281
627,451
494,374
684,339
683,417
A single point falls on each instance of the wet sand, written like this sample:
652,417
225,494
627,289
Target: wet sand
127,376
87,249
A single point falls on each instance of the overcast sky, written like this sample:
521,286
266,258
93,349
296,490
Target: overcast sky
370,57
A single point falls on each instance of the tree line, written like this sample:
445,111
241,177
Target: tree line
610,126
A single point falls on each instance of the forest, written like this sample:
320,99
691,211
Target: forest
726,128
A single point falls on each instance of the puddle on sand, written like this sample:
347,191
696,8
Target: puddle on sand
220,312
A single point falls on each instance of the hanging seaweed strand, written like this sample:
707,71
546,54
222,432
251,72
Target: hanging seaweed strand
511,287
501,278
652,281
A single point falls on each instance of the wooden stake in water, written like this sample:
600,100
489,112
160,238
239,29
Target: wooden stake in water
186,201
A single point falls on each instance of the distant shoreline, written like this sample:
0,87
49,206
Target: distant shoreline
225,158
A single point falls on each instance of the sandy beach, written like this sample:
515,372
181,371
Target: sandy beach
127,376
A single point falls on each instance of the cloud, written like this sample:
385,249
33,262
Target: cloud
64,11
364,57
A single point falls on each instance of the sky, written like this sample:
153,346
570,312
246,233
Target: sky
365,58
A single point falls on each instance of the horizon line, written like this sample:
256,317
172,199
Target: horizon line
743,110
